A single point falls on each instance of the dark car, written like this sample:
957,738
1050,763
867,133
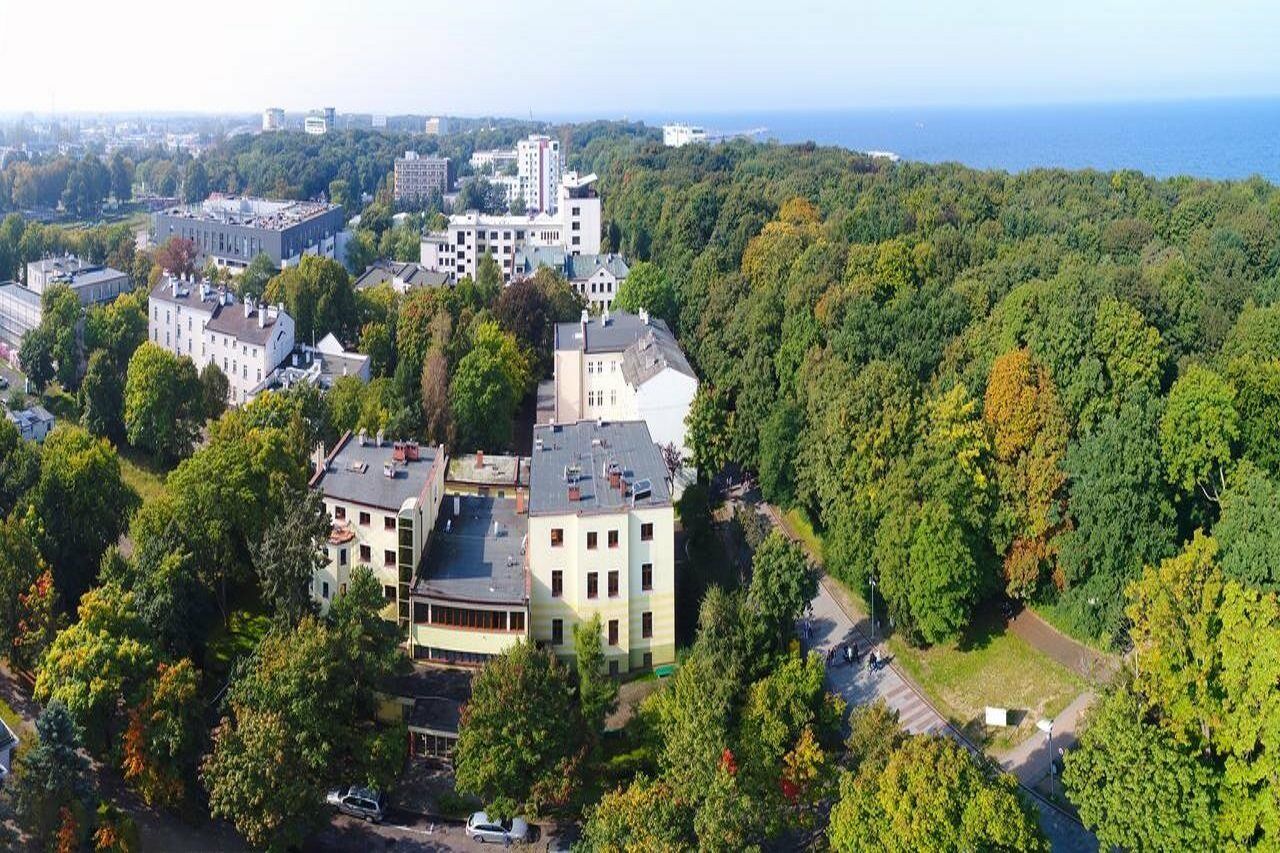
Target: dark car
364,803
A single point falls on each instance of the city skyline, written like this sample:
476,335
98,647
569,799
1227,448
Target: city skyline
581,60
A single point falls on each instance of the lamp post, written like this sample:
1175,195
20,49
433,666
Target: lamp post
873,608
1046,726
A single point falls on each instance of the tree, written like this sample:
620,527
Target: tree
646,815
289,554
61,313
121,177
706,428
164,734
195,182
52,775
83,504
437,414
35,354
782,584
944,580
932,795
488,279
1134,786
520,739
597,692
163,402
214,389
20,568
99,662
486,388
1249,529
19,466
647,287
102,397
252,283
120,326
1198,431
177,256
317,293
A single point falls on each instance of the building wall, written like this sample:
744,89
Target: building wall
628,607
17,315
234,245
663,403
581,217
462,645
421,177
599,290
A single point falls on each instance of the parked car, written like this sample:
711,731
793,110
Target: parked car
483,829
364,803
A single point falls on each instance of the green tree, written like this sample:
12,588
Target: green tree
931,795
20,567
783,582
289,554
102,397
163,402
52,775
83,505
488,279
165,732
1136,788
252,283
647,287
120,326
1249,529
597,692
35,354
520,741
214,388
486,388
195,182
1198,430
61,313
645,816
317,293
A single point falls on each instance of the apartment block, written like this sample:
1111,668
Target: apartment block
232,230
384,498
418,178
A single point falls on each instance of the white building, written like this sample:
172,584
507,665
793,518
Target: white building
436,126
320,365
320,122
32,424
596,278
538,172
620,366
492,160
383,498
246,340
677,135
575,227
91,282
272,119
601,541
418,177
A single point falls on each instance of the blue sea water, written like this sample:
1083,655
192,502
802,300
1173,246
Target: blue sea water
1208,139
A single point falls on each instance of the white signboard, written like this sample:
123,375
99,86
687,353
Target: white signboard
997,716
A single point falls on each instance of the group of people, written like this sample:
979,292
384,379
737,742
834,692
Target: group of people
848,652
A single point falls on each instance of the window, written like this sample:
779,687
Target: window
613,583
646,532
557,537
342,556
557,583
613,539
366,554
364,519
388,592
517,620
646,576
324,589
646,625
557,632
388,557
591,540
593,585
465,617
420,612
389,522
613,632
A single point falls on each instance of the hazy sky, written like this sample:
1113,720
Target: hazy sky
613,57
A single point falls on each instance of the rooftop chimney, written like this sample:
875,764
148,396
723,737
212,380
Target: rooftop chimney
262,317
363,436
479,458
605,321
457,505
379,440
644,316
247,308
575,492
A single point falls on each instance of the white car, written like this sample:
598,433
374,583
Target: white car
483,829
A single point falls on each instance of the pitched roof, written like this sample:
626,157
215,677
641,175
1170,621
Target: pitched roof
610,332
407,273
7,737
231,320
582,267
651,354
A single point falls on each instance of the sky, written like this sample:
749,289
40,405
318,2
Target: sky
608,58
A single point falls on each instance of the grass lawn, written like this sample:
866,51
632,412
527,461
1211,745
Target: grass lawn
228,643
803,528
142,474
990,667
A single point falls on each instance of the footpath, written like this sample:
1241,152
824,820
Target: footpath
836,620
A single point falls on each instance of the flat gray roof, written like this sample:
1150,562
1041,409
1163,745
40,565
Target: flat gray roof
590,447
496,471
17,291
477,554
355,473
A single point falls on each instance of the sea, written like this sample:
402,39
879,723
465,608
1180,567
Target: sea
1235,138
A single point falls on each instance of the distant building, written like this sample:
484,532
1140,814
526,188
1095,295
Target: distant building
91,282
247,340
232,230
575,227
378,122
418,178
492,160
20,312
678,135
320,122
621,366
383,498
595,278
33,424
320,365
538,171
272,119
436,126
402,276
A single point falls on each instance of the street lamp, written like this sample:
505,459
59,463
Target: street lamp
1046,726
873,608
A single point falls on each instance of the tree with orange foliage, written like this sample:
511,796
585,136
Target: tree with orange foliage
163,738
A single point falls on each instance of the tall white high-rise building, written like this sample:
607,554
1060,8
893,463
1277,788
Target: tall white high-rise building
538,171
272,119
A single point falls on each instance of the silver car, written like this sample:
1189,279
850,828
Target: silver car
483,829
364,803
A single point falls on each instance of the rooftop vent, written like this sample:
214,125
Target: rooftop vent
572,473
641,490
357,466
537,443
389,470
363,436
379,440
